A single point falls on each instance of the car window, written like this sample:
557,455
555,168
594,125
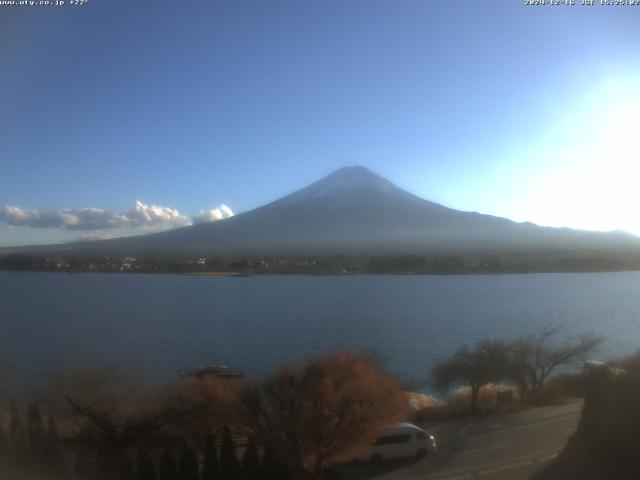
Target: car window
390,439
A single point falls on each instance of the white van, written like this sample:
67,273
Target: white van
401,441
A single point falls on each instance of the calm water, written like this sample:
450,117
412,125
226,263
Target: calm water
165,324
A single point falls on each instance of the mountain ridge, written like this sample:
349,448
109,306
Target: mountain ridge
350,211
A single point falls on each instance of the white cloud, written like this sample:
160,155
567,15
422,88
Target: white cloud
214,214
97,235
84,219
147,217
142,215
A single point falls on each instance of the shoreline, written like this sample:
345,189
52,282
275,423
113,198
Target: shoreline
319,274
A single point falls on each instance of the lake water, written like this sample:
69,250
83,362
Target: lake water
165,324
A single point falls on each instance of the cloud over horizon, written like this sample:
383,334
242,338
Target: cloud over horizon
141,215
213,215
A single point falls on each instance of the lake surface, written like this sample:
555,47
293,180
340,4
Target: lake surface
165,324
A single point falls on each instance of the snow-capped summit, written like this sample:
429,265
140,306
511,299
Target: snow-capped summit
346,185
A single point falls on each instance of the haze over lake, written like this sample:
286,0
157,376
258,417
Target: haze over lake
165,324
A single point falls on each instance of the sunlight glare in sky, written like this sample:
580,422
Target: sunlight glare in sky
595,185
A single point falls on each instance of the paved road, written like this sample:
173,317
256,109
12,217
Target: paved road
502,447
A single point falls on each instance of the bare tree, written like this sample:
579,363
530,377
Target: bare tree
17,435
534,357
4,383
4,446
474,367
229,465
325,410
205,404
109,411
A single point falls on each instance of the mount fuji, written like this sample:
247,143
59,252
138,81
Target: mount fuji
353,210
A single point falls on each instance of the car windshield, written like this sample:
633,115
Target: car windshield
390,439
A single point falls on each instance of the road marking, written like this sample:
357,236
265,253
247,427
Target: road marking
518,427
488,468
481,450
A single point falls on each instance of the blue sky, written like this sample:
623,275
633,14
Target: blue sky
523,112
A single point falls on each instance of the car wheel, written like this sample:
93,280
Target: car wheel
421,453
377,459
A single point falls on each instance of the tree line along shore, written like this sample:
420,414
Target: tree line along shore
331,264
